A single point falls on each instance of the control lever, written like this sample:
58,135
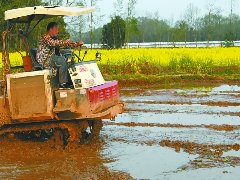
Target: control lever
98,56
85,53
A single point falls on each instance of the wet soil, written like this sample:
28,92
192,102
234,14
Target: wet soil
46,160
191,133
168,81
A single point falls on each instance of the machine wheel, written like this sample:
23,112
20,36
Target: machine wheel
75,132
58,139
95,128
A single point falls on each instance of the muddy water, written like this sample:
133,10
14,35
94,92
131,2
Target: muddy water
177,133
164,134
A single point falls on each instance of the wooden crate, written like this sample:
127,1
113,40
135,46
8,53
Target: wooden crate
30,96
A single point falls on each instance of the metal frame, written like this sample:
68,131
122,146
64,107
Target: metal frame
11,23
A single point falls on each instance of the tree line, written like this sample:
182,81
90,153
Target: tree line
212,26
125,26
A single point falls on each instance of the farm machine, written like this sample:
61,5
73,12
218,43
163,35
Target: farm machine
31,102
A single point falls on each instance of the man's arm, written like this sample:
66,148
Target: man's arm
76,44
54,43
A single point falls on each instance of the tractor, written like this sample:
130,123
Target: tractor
31,102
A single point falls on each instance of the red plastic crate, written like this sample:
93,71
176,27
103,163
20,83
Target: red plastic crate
105,92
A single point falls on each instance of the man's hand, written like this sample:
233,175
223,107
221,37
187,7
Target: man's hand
68,41
80,43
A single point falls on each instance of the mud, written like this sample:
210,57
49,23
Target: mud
174,81
179,134
223,128
202,149
209,155
38,160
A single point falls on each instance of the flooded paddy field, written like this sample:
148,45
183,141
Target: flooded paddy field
163,134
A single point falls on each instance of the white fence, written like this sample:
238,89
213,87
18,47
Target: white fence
199,44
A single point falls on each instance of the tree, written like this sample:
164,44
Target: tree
212,9
77,24
113,33
131,21
151,29
94,19
11,4
119,8
180,32
230,35
191,16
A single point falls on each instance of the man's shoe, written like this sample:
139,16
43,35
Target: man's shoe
70,85
63,85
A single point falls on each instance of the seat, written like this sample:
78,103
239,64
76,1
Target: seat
36,65
39,67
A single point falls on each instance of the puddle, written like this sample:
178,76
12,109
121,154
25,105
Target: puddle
183,108
153,135
177,118
197,129
226,94
227,89
138,161
232,153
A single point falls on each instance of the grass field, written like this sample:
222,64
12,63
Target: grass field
221,62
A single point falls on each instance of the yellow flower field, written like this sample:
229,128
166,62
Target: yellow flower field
177,59
219,56
168,60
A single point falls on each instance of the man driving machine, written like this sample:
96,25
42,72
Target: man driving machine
48,56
